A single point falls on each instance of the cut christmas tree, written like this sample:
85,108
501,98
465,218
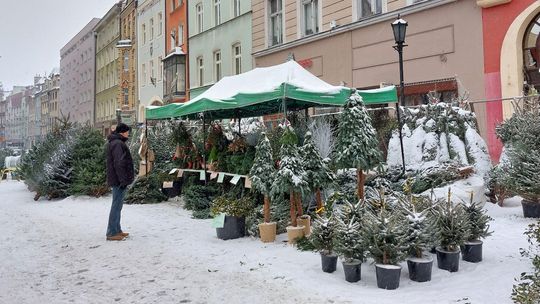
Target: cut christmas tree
318,174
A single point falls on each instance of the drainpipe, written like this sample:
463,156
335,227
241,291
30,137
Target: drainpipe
95,78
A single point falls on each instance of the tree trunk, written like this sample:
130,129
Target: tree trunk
266,209
299,204
318,198
361,180
292,202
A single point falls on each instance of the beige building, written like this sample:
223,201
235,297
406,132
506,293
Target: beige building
351,43
127,67
107,33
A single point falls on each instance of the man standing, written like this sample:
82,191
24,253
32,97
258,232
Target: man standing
120,173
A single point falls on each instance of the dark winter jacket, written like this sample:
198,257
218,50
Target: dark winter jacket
120,171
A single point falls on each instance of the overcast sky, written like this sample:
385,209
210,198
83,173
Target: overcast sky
32,32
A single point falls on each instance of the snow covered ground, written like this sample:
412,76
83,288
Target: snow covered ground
55,252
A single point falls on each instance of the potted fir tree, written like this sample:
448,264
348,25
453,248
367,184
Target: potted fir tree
291,178
452,230
471,251
384,235
322,239
262,176
418,239
357,145
235,210
349,246
318,175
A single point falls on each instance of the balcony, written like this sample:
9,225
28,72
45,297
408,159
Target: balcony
491,3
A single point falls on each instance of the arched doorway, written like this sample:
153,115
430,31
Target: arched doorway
531,55
514,60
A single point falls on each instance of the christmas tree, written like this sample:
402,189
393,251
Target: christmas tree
318,174
384,232
451,225
291,176
348,240
89,171
419,226
323,233
262,173
478,221
357,145
58,168
145,190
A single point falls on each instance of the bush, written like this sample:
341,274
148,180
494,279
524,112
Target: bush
527,287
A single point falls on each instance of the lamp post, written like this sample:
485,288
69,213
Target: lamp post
399,27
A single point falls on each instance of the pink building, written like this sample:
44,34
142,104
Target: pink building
77,66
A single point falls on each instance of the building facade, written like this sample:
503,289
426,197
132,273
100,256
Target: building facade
511,58
77,86
2,118
351,43
16,114
127,69
175,69
219,41
52,85
107,33
150,52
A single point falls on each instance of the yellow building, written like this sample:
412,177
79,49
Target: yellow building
107,33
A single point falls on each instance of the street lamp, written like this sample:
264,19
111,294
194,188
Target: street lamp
399,27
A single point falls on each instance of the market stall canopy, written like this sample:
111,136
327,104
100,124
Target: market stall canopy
261,91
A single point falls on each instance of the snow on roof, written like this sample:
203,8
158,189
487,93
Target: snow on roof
177,51
268,79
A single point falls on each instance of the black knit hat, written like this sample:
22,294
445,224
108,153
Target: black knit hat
121,128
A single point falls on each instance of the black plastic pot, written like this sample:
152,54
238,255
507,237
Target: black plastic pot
420,269
352,271
175,191
530,208
472,251
448,260
387,276
328,262
233,228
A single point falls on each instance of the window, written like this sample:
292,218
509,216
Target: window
152,73
173,39
200,71
126,97
310,11
160,72
126,61
217,66
199,10
368,8
276,19
180,35
217,12
143,76
237,59
143,30
236,8
151,28
173,5
160,24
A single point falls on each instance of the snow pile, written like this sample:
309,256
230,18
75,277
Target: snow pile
440,134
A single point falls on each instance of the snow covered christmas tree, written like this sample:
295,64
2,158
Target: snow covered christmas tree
357,145
262,173
318,174
291,176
